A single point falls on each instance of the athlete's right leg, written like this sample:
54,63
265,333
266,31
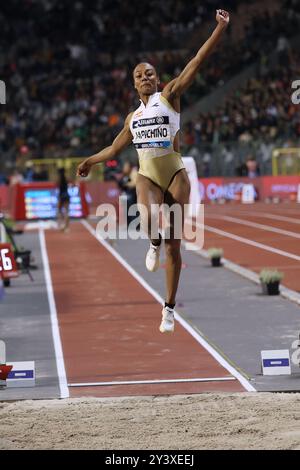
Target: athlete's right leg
149,198
59,215
63,215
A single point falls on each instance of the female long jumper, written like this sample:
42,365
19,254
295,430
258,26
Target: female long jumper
153,128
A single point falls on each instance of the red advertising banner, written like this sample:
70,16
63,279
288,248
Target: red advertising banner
281,186
4,197
38,200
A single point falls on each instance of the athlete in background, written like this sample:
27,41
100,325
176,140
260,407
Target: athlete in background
63,201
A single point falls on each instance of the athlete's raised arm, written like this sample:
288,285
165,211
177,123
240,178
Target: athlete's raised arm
177,86
123,139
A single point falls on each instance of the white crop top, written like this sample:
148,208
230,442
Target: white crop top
154,127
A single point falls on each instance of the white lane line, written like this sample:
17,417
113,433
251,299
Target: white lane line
266,228
247,241
281,210
265,215
60,364
246,384
158,381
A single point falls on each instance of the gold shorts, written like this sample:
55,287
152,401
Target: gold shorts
161,170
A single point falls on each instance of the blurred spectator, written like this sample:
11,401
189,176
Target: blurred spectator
206,164
252,167
29,172
284,50
40,173
127,184
16,177
241,170
249,168
3,179
63,219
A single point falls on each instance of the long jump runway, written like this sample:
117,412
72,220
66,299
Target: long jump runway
104,309
109,328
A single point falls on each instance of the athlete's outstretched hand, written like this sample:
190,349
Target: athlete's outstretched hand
83,169
222,18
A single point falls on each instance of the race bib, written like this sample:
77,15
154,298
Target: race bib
152,133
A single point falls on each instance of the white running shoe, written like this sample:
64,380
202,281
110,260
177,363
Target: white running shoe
152,258
167,323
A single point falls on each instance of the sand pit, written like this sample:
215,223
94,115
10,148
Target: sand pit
206,421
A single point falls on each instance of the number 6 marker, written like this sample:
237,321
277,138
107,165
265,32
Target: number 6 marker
6,261
8,265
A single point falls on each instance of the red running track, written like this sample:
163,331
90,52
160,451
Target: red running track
284,217
109,322
109,326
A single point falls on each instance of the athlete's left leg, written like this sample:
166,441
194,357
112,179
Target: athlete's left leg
66,216
63,215
178,193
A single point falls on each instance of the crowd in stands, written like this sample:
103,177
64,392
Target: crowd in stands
261,109
257,118
68,71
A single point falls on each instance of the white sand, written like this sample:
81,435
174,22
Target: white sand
206,421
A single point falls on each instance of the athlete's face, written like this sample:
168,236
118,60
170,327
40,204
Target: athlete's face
145,79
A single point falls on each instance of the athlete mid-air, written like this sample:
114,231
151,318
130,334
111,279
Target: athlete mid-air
154,130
